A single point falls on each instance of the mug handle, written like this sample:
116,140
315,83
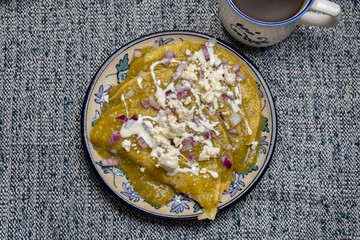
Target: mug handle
328,15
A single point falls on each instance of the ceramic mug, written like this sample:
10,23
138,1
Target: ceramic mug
256,33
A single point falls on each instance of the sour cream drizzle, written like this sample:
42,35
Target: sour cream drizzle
136,127
139,80
123,99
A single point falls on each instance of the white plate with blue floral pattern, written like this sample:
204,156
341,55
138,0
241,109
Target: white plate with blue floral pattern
114,71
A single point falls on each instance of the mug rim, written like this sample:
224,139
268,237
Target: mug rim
271,24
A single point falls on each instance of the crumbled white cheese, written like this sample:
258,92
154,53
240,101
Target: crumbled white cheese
192,68
188,52
204,84
185,114
216,86
208,97
189,75
209,152
126,144
170,160
230,78
142,169
187,100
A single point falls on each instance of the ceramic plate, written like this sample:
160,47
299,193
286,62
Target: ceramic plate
114,71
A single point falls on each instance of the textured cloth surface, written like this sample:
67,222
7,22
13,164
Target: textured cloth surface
50,50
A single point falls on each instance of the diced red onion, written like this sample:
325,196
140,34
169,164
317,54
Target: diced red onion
236,67
205,52
181,95
233,131
113,151
196,120
217,64
211,42
179,70
169,55
122,118
221,116
186,147
134,117
143,74
226,161
137,52
235,119
188,143
209,134
142,142
224,61
240,76
166,61
191,156
157,43
153,103
110,162
168,93
145,126
202,73
188,140
145,104
114,138
178,87
129,94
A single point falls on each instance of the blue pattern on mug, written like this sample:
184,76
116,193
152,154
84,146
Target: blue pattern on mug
246,33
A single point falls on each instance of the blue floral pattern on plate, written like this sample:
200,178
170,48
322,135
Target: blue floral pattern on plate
264,144
129,192
239,184
100,96
178,204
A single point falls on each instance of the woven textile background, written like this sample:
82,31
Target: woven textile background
50,50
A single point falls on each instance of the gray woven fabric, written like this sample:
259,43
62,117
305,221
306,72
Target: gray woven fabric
50,50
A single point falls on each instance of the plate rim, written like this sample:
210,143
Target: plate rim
104,64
